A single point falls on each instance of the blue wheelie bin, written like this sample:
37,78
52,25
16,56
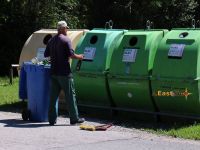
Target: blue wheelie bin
22,84
35,80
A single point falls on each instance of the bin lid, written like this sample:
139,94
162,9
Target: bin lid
135,54
178,55
38,40
97,47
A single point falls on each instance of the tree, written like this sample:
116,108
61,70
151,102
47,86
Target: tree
20,18
176,13
131,14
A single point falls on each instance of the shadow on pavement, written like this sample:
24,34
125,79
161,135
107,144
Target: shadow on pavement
21,124
16,123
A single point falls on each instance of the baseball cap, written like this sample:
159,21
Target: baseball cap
62,24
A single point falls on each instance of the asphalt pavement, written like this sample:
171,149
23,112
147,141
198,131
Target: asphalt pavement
16,134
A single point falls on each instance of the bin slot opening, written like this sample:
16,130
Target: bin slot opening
180,41
87,60
174,57
133,41
183,35
79,63
93,39
47,38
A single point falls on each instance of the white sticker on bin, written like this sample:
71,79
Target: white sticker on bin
176,50
40,53
129,55
89,53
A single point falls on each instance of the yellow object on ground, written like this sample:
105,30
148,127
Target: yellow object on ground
87,127
95,128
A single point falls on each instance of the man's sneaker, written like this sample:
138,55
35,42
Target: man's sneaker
51,123
80,120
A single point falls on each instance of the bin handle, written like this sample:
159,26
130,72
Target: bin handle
198,78
152,25
78,65
148,25
110,24
106,72
193,23
106,25
198,23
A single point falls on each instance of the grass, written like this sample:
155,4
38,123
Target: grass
9,93
184,130
189,131
9,101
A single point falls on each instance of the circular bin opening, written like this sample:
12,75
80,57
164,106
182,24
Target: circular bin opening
93,39
133,41
47,38
184,34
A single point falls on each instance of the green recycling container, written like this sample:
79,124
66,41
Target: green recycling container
131,65
90,74
176,73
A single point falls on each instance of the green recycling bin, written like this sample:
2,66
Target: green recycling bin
176,73
90,74
131,65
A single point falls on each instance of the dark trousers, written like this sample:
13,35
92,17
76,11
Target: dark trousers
67,84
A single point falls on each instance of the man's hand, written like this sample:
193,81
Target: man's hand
81,56
78,56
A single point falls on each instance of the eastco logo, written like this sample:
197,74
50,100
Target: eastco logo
184,93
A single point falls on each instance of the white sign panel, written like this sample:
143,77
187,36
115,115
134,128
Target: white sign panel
176,50
89,53
129,55
40,53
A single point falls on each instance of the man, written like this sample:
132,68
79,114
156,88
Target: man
60,50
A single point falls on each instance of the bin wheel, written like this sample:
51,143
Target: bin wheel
26,114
